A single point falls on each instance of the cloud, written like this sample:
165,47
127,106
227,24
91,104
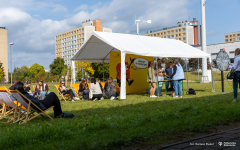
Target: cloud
59,9
35,39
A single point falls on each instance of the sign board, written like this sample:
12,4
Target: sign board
222,60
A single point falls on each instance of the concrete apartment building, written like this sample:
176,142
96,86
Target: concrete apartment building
68,43
4,52
213,49
188,32
232,37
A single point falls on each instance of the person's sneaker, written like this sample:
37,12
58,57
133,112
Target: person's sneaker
112,98
181,96
102,99
150,95
234,101
116,98
65,115
73,100
76,98
175,97
154,96
95,99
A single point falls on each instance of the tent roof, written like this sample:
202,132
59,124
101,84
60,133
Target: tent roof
99,45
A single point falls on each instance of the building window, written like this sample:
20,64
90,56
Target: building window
164,36
172,31
74,32
238,34
226,36
230,35
184,38
161,33
179,30
154,35
176,35
179,38
83,34
169,36
233,35
83,29
184,29
164,33
168,32
230,39
184,34
176,30
179,34
82,39
158,34
226,40
172,36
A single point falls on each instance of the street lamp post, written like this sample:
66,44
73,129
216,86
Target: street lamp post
11,60
137,21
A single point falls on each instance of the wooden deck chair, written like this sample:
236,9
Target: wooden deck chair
65,97
32,110
9,107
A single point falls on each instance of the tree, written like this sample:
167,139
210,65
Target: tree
1,72
98,70
86,67
36,68
21,74
58,68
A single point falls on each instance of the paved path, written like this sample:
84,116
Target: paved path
229,140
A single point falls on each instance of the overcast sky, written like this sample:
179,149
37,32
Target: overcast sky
32,25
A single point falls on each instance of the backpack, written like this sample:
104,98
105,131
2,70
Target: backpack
191,91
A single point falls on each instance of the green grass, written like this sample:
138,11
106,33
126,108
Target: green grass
193,76
109,124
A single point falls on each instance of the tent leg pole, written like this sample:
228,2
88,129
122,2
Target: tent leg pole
187,74
103,70
123,77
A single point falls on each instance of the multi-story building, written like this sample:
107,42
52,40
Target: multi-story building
188,32
4,52
68,43
232,37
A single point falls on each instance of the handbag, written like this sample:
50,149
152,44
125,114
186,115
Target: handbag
231,75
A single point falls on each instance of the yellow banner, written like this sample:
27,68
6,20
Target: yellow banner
136,71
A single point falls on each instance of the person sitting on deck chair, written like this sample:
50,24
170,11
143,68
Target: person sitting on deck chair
64,90
50,100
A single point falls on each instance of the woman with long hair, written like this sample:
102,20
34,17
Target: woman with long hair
236,68
177,77
159,74
42,89
64,90
95,90
110,89
151,78
50,100
84,89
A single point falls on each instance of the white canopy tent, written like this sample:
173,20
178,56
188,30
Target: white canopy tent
98,46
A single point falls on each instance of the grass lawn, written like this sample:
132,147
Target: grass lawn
110,124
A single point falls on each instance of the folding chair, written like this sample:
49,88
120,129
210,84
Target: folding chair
66,96
32,110
8,105
75,88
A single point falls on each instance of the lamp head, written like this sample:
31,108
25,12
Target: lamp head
11,43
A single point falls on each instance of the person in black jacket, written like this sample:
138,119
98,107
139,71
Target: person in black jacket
47,102
84,89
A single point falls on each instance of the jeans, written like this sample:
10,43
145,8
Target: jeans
72,95
159,85
177,87
167,85
235,84
43,94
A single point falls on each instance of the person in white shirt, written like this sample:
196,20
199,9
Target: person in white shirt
95,90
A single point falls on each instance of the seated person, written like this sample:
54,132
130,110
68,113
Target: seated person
13,88
42,89
96,90
28,89
47,102
110,89
64,90
99,81
83,88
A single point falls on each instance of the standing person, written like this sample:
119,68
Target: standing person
168,73
84,89
159,74
151,79
50,100
177,77
95,90
64,90
42,88
236,67
110,89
